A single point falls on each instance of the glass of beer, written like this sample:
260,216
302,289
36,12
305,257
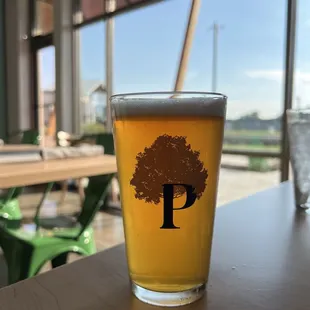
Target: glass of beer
168,147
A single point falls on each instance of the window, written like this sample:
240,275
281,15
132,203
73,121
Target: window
147,48
46,92
92,78
301,97
247,67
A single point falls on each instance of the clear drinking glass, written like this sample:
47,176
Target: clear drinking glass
298,122
168,148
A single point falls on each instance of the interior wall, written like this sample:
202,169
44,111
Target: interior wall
3,112
17,66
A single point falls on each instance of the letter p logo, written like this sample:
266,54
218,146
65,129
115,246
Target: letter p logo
168,194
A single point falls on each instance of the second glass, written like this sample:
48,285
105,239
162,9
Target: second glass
298,123
168,148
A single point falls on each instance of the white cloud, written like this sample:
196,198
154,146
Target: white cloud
277,75
301,83
273,75
266,108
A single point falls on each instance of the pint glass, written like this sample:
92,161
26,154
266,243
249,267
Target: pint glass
168,148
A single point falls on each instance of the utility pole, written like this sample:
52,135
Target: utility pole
215,28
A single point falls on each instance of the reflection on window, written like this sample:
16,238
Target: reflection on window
93,99
44,14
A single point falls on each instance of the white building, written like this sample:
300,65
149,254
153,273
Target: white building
92,102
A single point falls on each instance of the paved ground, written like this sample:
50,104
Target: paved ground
236,184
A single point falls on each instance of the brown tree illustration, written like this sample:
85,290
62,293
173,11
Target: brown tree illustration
168,160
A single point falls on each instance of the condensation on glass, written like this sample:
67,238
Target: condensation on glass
298,124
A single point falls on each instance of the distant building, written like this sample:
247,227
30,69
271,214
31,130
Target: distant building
253,122
92,103
49,103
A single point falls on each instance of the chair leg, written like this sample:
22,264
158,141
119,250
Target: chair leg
64,190
81,191
46,192
59,260
18,265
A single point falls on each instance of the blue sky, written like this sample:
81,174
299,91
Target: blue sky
148,43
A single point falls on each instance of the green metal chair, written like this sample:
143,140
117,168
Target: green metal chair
30,136
10,212
64,221
106,139
26,252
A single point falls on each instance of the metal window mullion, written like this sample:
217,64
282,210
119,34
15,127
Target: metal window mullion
289,83
63,40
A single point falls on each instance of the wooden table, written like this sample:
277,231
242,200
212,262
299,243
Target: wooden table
30,173
19,148
260,261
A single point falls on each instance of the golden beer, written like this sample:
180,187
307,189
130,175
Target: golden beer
168,163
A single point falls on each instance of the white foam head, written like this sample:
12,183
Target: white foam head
193,104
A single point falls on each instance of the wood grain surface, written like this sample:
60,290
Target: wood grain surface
19,148
260,261
19,174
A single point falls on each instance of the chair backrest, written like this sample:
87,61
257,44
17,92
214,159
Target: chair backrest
106,140
30,137
97,188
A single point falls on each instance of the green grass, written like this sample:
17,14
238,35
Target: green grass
254,133
249,147
93,128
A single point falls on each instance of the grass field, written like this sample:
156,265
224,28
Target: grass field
249,147
254,133
93,128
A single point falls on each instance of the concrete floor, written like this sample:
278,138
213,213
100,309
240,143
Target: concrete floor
234,184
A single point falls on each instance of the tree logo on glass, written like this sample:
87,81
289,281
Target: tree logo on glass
168,169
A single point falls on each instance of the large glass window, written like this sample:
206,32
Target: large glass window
302,72
252,79
147,48
301,94
243,56
92,78
46,94
148,43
